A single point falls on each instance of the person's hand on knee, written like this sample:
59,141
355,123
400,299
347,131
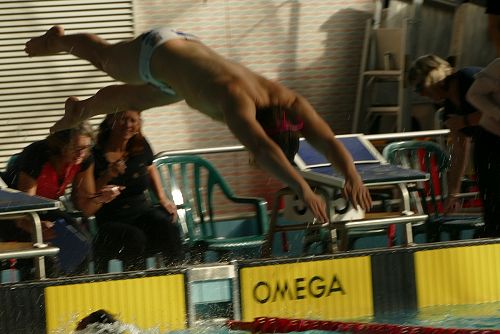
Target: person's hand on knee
170,207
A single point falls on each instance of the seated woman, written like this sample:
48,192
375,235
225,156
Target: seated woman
130,228
46,168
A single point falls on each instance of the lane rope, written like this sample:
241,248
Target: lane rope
285,325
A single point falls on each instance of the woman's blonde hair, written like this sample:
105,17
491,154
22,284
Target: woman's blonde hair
57,142
428,70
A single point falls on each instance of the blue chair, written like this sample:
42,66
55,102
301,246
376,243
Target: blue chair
431,158
191,182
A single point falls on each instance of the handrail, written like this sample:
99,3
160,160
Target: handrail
239,148
403,219
408,135
207,150
31,252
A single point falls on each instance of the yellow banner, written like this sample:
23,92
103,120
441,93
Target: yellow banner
149,302
459,275
326,289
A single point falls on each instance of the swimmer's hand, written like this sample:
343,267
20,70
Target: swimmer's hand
317,205
356,192
107,193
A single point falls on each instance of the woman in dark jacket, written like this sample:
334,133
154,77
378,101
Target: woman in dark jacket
130,228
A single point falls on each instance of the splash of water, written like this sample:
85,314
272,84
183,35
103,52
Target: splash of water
115,328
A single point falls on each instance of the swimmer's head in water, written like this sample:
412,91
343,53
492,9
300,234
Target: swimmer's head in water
283,130
103,322
100,316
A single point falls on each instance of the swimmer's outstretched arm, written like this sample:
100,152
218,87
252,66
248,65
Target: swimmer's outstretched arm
319,134
112,99
240,118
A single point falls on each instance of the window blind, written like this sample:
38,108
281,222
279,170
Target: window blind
33,90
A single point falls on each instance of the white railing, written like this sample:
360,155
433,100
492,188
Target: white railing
371,137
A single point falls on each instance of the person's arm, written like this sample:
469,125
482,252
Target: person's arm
319,134
155,182
457,122
84,195
481,93
27,184
240,118
460,148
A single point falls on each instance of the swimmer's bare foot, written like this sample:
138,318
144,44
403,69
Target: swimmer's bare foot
72,116
45,44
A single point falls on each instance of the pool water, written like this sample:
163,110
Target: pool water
484,316
480,316
463,316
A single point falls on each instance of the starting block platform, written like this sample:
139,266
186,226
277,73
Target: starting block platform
370,164
328,182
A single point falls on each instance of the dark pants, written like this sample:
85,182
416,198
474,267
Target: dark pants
135,233
487,165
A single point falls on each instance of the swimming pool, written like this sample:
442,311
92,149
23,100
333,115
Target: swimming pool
352,286
481,317
485,316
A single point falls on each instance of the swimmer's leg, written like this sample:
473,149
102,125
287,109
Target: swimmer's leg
119,60
46,44
71,116
112,99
